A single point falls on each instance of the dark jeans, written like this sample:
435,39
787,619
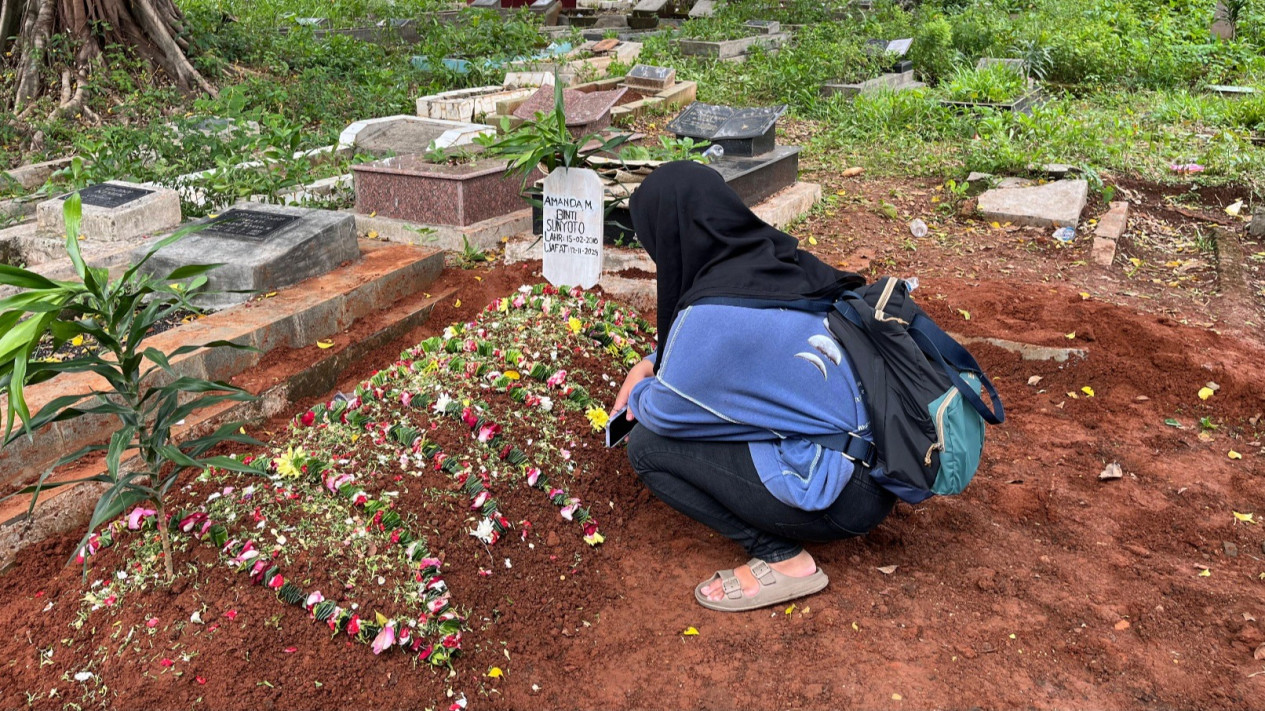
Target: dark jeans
717,484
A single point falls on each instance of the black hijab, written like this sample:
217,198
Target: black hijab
706,243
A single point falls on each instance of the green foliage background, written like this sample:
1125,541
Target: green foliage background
1125,79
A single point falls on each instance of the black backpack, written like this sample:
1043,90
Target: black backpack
921,388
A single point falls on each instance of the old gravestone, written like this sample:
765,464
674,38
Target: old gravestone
738,131
895,50
114,211
645,77
586,112
572,227
261,248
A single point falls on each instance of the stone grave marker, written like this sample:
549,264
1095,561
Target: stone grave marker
1230,90
703,8
1016,64
895,50
404,135
572,229
648,78
111,195
262,248
586,112
765,27
738,131
114,211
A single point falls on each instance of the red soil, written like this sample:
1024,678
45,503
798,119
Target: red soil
1041,586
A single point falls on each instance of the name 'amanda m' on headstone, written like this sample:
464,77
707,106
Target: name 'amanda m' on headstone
567,227
572,211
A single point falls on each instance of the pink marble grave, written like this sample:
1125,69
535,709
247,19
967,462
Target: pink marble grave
411,188
586,112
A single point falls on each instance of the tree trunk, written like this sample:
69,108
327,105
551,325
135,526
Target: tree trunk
150,28
10,22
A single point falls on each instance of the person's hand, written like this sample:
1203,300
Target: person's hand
639,372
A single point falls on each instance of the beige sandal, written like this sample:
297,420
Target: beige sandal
774,588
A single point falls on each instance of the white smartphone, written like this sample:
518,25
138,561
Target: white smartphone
619,427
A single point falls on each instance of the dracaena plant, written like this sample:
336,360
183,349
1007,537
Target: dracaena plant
145,394
545,142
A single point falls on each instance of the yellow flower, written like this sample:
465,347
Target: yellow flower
512,375
574,324
290,464
503,306
598,418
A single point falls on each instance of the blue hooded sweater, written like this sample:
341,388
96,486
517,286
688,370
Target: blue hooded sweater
766,376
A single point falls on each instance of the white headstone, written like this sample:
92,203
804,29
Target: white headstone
572,228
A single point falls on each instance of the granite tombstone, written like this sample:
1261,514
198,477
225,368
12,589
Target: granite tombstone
738,131
260,248
645,77
114,211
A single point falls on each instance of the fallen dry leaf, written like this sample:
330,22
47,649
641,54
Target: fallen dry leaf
1113,471
888,569
1259,654
853,171
1034,380
689,632
1122,625
1205,393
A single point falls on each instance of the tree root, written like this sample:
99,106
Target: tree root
152,28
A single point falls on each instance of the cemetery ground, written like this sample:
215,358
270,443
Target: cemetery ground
432,519
1043,582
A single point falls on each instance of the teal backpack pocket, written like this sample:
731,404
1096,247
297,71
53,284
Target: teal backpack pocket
960,433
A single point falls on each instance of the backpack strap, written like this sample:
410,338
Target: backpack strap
952,358
851,445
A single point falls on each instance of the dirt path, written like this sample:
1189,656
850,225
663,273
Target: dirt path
1040,587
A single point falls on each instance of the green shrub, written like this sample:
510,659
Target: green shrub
932,52
994,84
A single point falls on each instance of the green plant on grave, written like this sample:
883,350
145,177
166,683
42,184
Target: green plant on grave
994,84
543,143
74,174
715,29
471,255
448,156
1037,58
669,149
146,396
